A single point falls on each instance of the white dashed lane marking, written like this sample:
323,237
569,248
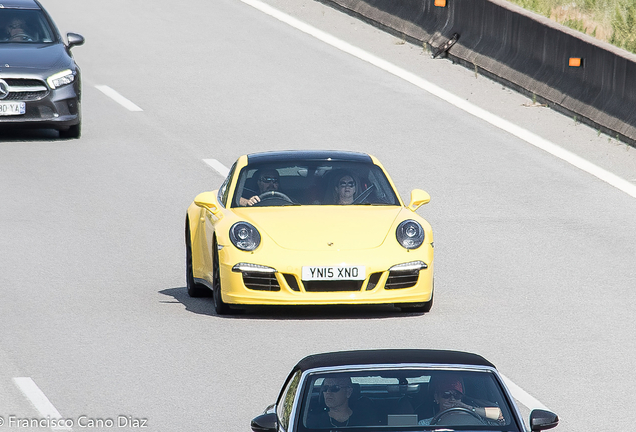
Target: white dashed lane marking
217,166
118,98
39,400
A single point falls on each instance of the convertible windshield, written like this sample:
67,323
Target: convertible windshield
24,26
313,183
405,400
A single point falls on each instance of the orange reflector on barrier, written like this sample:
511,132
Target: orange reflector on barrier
575,62
440,3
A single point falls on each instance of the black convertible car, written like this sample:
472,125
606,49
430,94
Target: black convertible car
396,390
40,83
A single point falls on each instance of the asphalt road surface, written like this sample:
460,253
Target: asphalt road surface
534,256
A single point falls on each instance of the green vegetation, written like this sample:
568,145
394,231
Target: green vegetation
624,25
612,21
576,24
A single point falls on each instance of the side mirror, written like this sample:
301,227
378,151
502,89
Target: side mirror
542,419
418,199
208,201
74,39
265,423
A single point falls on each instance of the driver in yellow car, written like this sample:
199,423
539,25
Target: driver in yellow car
267,181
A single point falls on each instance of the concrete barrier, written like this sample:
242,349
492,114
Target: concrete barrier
527,52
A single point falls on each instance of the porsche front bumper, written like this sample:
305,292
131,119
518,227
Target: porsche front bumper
396,276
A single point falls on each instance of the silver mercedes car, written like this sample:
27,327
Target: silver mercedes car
40,84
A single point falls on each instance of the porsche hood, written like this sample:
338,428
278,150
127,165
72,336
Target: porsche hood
313,228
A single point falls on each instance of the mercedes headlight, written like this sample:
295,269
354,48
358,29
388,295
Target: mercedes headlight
245,236
410,234
61,79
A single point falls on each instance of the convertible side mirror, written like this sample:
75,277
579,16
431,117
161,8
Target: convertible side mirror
542,419
265,423
418,199
208,201
74,39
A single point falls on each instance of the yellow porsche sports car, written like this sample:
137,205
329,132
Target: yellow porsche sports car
309,228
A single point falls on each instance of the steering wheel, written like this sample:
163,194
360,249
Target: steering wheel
364,195
455,410
21,37
270,195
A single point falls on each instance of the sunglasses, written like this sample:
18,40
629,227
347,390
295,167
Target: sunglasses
16,25
452,394
269,180
332,388
347,184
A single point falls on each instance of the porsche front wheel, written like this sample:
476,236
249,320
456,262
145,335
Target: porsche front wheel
220,306
194,289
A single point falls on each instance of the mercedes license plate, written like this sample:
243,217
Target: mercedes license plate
330,273
12,108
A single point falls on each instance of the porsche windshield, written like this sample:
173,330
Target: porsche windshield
24,26
405,400
313,183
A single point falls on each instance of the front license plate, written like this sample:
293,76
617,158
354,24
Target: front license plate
334,273
12,108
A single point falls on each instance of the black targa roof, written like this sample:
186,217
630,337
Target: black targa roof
391,356
317,155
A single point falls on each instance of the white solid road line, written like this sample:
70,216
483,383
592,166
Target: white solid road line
39,400
520,395
217,166
488,117
118,98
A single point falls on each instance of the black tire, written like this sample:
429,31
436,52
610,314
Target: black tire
194,289
220,306
73,132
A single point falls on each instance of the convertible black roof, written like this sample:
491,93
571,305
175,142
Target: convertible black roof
391,356
317,155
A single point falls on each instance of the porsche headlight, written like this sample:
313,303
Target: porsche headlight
410,234
244,236
61,79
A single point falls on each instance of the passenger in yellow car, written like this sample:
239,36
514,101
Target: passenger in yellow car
267,180
345,190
